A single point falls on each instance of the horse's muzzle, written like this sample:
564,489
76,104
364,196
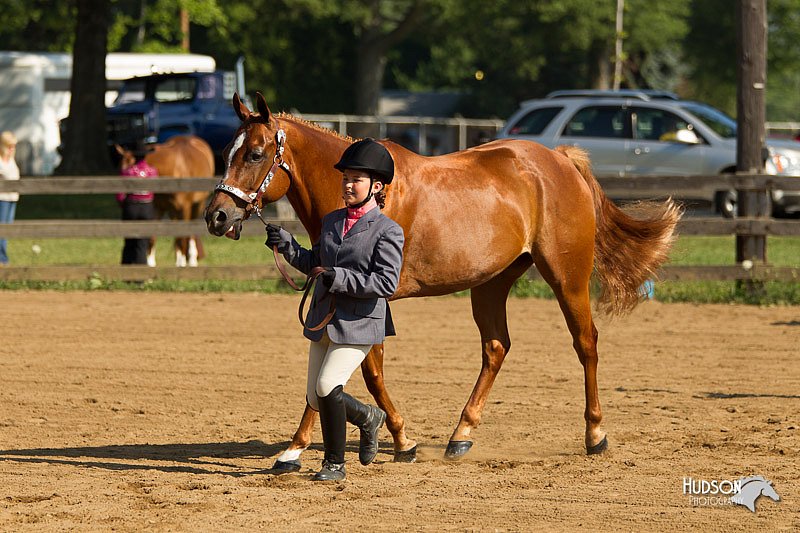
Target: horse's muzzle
224,221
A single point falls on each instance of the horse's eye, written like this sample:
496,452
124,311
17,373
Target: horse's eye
256,156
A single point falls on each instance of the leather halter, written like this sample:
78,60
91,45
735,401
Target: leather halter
252,199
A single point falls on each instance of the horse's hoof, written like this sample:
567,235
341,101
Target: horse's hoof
286,467
407,456
457,448
600,447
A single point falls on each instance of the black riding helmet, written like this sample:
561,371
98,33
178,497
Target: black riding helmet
369,156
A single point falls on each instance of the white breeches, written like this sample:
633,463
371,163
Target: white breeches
331,365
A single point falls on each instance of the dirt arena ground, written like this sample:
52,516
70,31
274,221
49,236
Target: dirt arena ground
122,411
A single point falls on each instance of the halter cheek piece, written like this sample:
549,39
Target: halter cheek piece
252,199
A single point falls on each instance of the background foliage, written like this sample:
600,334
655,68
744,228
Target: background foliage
304,54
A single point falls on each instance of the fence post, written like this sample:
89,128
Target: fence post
462,135
750,138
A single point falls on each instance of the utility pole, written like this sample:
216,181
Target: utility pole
751,58
185,29
618,45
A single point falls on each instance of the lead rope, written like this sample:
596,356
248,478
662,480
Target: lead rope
306,288
252,200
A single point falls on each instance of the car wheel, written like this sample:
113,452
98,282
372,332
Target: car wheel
725,203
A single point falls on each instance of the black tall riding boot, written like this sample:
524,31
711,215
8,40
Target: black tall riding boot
333,419
369,420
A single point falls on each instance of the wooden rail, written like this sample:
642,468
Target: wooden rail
269,272
639,187
680,187
57,229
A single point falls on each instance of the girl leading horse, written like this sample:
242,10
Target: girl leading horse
476,219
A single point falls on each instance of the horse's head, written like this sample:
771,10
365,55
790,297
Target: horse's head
255,173
769,491
126,157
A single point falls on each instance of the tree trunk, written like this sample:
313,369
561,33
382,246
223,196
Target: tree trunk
369,78
600,74
371,56
85,148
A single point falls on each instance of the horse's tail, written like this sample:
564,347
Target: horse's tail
627,250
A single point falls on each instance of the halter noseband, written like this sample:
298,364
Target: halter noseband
252,199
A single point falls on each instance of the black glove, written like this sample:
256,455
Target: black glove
327,277
274,237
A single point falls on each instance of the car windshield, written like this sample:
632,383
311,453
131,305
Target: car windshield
131,91
722,124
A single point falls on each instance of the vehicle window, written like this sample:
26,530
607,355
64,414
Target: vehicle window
598,121
536,121
208,88
131,91
722,124
175,90
657,124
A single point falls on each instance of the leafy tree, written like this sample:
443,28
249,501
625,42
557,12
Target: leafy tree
85,148
655,33
711,52
37,25
498,53
153,26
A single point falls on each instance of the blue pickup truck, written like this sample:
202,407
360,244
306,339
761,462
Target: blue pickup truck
151,109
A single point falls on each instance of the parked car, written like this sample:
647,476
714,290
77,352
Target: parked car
647,132
151,109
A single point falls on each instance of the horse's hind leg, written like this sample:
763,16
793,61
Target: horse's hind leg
568,274
191,252
405,450
181,248
489,313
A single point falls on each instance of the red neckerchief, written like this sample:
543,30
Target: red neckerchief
354,214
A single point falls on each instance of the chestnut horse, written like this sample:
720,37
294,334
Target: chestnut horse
182,156
476,219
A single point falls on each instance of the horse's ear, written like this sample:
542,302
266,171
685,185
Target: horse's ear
261,104
240,108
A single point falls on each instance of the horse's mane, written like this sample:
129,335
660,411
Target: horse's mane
313,125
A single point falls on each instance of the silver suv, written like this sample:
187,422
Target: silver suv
647,132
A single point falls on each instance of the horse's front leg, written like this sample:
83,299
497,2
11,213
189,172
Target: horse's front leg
289,460
405,450
151,252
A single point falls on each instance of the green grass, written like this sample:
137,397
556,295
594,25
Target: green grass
67,206
689,250
65,252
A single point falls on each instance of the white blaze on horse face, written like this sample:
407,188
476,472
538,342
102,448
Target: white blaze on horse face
237,144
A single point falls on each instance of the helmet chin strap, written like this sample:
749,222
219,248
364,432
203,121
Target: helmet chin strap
363,202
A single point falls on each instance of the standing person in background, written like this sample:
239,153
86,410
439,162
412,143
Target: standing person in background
137,206
8,200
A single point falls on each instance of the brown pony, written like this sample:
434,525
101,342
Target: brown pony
182,156
476,219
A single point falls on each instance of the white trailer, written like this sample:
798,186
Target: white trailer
34,95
